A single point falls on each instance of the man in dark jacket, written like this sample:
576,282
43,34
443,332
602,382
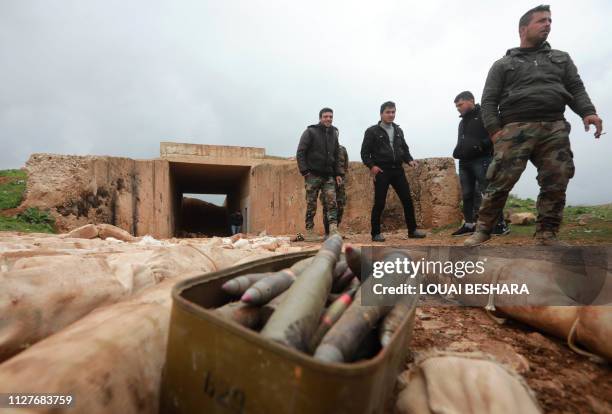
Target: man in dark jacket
235,221
474,151
523,102
383,151
317,158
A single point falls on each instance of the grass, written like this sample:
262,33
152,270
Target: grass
580,223
12,189
17,224
585,224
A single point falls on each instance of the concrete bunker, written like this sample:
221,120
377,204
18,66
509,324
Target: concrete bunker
195,216
147,196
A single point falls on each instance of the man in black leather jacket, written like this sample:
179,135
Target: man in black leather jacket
384,151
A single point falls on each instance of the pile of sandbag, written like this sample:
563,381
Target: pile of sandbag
50,282
570,300
111,359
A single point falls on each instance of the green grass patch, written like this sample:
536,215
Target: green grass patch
519,205
12,187
17,224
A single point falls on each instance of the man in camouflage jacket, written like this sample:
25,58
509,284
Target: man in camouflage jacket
523,102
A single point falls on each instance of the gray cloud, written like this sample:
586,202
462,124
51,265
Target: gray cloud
116,78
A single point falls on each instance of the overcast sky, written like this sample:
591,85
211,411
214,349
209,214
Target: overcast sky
117,77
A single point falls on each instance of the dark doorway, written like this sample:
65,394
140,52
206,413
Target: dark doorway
205,195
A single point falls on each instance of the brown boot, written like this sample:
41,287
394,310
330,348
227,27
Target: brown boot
311,236
548,238
479,237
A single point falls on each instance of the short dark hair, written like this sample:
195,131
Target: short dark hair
464,96
324,110
526,18
386,105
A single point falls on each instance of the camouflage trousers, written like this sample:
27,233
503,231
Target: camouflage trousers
547,146
327,187
340,203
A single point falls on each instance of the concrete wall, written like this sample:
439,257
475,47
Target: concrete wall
213,154
134,195
144,197
278,205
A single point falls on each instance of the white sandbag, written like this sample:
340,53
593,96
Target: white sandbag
41,295
464,383
111,360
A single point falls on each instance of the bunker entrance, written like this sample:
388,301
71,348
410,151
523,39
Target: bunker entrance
206,195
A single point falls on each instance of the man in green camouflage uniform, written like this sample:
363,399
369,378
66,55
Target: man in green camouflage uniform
317,157
340,191
523,102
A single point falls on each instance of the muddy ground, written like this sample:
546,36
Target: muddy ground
564,382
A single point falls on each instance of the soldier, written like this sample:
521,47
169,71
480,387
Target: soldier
523,102
317,158
473,150
383,151
340,191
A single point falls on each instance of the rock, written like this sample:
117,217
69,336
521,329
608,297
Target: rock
88,231
432,325
506,354
422,315
237,237
108,230
522,218
288,249
539,341
271,246
241,244
585,219
462,346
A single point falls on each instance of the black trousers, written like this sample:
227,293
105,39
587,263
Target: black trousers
397,179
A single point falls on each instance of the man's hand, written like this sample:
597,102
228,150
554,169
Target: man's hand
374,171
593,120
496,136
338,180
413,163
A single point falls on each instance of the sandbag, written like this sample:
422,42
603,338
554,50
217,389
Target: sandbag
45,294
110,360
593,330
464,383
42,294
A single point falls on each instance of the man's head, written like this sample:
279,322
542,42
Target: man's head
534,26
326,116
464,102
387,112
